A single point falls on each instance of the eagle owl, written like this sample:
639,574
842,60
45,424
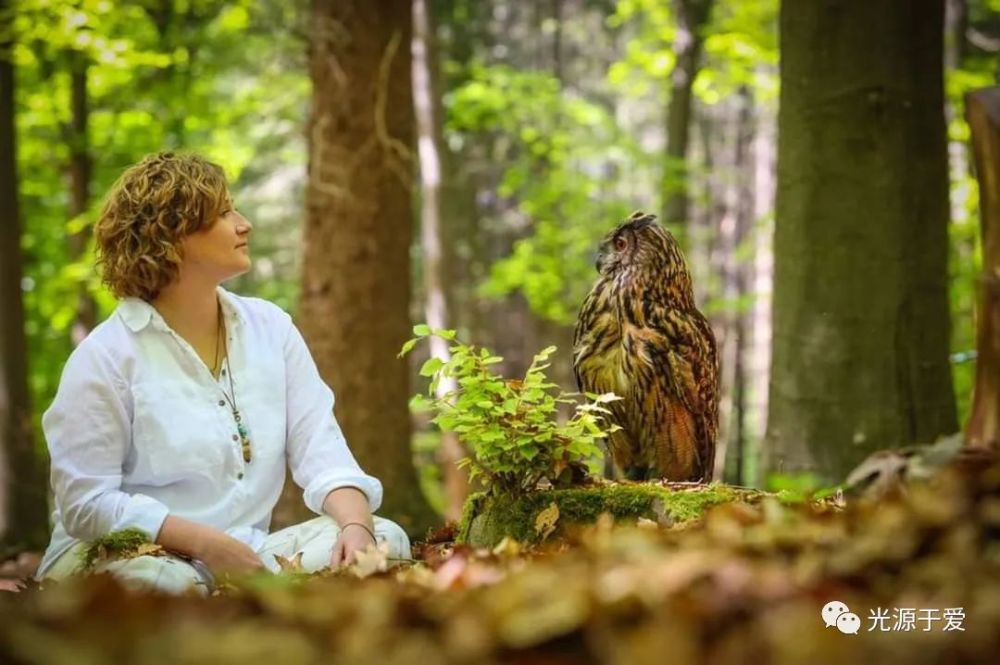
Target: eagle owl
640,336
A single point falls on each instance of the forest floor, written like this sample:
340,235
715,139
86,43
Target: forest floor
914,577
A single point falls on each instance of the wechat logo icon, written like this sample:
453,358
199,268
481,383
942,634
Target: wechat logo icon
836,613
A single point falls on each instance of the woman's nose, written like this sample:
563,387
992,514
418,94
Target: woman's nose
243,224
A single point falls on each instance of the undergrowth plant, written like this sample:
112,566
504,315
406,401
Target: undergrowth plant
509,425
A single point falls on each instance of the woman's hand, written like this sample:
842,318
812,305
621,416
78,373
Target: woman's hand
349,507
219,551
353,538
225,554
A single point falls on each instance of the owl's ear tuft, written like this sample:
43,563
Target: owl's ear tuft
640,218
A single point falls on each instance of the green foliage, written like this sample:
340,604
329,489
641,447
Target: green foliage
563,157
975,71
509,424
740,49
191,75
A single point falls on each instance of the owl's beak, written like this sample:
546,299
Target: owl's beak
602,253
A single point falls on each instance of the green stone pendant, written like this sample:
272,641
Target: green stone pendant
244,436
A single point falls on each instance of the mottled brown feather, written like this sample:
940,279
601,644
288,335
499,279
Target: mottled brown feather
640,336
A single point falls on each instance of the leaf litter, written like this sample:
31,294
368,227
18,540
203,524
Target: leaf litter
744,583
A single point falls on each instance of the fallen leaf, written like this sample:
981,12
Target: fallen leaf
149,549
370,561
545,523
293,565
507,547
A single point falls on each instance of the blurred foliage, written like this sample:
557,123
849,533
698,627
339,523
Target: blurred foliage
562,156
976,69
557,146
170,74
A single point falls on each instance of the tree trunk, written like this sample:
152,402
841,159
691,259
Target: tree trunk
79,187
436,299
356,267
692,15
23,478
983,429
734,228
861,320
758,360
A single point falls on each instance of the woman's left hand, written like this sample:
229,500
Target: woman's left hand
352,539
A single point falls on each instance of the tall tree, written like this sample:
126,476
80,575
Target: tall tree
432,236
691,17
354,307
861,319
983,428
23,481
79,170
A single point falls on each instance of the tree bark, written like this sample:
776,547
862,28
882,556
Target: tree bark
735,225
436,298
80,168
692,15
23,477
356,267
861,324
758,360
983,428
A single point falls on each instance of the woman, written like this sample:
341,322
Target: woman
177,414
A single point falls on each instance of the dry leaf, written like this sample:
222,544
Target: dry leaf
545,523
293,565
370,561
150,549
508,546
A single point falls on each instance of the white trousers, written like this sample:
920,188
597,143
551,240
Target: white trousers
314,539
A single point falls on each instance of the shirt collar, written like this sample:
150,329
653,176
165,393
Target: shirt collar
137,313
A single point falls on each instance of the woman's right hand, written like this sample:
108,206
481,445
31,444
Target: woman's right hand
224,554
219,551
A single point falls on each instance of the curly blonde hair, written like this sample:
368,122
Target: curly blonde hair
148,212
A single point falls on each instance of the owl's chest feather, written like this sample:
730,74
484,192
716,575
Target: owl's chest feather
605,361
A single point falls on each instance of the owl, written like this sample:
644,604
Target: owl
640,336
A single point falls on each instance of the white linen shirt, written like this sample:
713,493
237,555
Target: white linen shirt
140,428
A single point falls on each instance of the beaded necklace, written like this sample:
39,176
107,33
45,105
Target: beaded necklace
241,427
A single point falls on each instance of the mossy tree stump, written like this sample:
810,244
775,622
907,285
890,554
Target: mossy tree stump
486,519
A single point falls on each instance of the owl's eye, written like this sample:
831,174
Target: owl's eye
620,243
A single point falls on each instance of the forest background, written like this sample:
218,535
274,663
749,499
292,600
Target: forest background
458,162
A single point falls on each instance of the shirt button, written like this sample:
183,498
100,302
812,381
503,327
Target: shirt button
239,475
222,403
235,438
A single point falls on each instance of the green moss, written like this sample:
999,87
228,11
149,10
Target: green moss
114,545
486,520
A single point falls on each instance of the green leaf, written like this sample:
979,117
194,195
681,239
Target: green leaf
407,347
421,330
431,366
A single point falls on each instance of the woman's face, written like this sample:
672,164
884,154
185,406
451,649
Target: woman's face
219,251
